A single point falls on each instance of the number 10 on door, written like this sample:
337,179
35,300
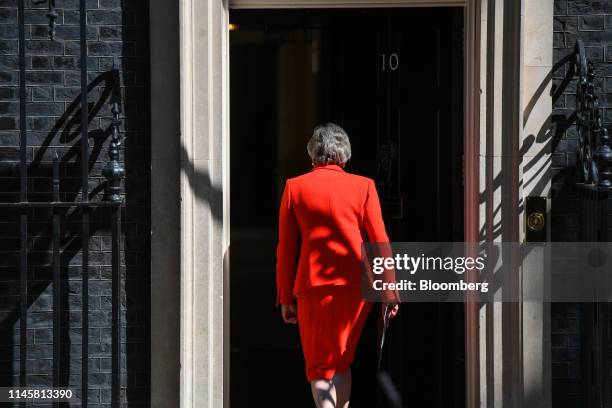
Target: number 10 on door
390,62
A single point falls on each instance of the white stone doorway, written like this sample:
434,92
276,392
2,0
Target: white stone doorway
190,159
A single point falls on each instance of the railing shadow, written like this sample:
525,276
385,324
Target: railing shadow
550,132
66,132
64,136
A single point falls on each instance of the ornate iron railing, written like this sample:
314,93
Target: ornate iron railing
594,182
113,200
594,160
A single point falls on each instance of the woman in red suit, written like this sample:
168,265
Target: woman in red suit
325,216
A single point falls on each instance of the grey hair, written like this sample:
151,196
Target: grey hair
329,144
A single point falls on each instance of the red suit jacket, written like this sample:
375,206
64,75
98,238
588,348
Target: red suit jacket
325,216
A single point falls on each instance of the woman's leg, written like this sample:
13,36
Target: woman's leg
342,382
324,393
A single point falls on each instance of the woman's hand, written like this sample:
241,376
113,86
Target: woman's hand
392,310
289,313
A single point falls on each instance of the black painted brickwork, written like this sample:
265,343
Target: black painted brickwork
590,21
117,34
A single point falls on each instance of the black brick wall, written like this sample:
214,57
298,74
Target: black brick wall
117,35
590,21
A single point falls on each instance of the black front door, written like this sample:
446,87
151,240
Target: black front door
392,78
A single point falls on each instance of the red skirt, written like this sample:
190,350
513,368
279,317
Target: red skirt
330,320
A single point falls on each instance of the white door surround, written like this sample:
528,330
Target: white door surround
190,157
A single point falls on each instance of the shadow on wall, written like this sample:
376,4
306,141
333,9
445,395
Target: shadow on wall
201,185
40,277
562,123
66,132
550,133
